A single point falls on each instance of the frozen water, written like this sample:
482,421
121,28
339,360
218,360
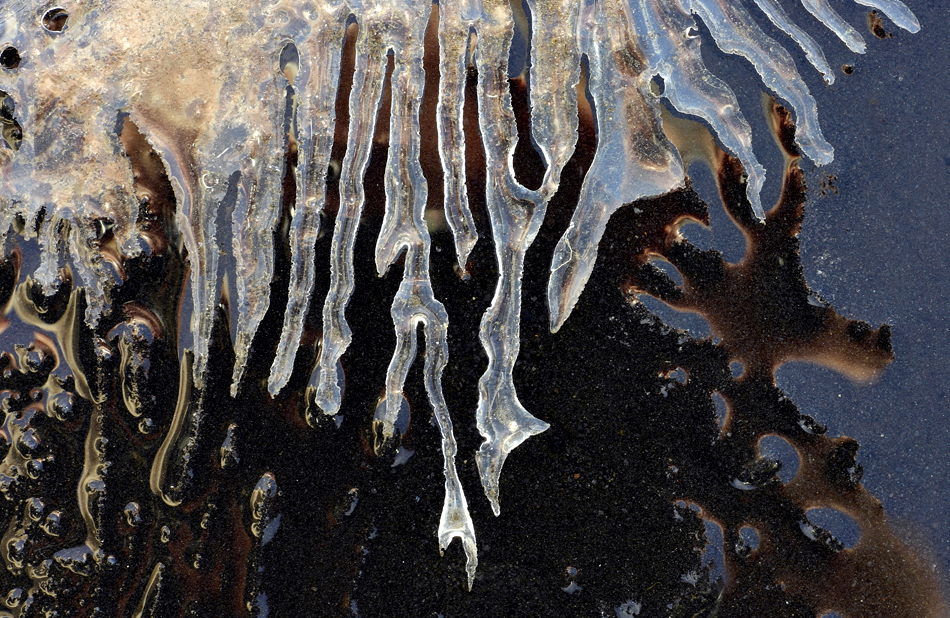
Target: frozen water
206,86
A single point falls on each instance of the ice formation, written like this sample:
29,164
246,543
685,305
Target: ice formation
205,84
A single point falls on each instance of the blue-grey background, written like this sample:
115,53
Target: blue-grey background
877,250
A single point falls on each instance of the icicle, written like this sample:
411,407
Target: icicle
453,52
317,83
253,222
258,206
198,197
736,33
516,214
896,11
365,98
87,265
674,55
633,158
51,237
815,56
404,228
827,15
555,72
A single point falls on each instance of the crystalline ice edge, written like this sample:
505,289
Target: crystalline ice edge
204,84
316,85
404,229
827,15
815,56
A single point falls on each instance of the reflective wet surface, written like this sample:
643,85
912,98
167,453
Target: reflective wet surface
785,455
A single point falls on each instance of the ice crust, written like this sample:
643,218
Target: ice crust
203,82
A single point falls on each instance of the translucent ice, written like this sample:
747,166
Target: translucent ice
207,85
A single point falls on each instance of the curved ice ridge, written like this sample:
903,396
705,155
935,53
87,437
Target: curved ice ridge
203,83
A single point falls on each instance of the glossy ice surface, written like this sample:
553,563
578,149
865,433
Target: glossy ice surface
207,86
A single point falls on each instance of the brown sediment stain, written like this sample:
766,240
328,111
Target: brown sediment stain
765,314
828,184
761,307
881,576
876,26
